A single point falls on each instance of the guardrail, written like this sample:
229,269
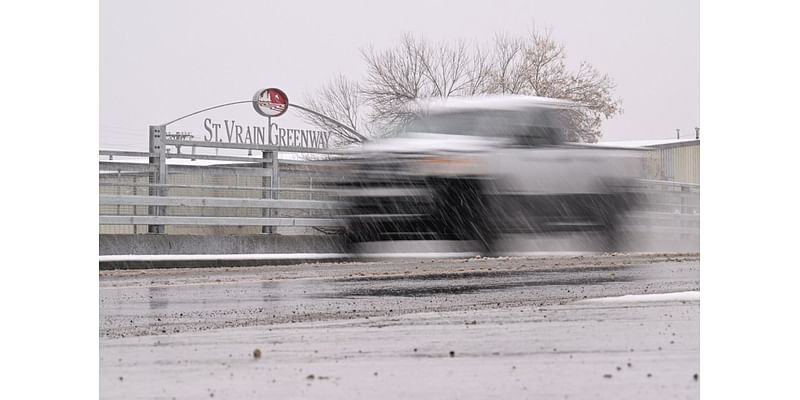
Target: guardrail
670,213
215,194
244,195
237,203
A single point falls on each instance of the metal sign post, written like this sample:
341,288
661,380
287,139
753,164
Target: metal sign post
158,173
265,194
271,102
265,185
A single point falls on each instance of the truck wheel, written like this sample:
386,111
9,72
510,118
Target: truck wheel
464,212
485,229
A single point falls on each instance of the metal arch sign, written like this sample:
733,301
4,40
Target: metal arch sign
270,102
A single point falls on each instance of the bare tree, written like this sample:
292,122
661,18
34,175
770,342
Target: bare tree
396,77
478,73
594,91
342,100
537,67
415,69
507,67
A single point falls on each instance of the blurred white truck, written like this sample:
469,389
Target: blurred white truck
481,168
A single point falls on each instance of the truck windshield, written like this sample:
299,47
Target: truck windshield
538,126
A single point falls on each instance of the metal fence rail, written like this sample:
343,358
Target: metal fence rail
670,213
248,195
215,194
217,202
218,221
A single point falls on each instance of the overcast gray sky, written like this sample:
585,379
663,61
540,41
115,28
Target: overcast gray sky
162,59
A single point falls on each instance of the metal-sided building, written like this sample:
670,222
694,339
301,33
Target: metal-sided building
675,160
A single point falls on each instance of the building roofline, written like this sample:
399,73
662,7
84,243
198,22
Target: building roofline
675,144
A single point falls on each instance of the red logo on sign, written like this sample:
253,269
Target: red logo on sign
270,102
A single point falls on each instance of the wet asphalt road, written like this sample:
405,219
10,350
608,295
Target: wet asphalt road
516,327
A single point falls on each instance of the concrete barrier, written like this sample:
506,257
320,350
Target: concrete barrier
159,250
143,250
143,244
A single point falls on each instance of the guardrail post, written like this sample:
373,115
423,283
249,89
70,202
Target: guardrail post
265,193
275,183
158,174
135,192
684,211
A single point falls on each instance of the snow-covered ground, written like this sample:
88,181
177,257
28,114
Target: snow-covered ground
637,298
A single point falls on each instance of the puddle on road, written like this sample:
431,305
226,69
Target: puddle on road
158,297
486,274
431,284
421,291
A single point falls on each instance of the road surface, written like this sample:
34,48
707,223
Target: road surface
508,327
